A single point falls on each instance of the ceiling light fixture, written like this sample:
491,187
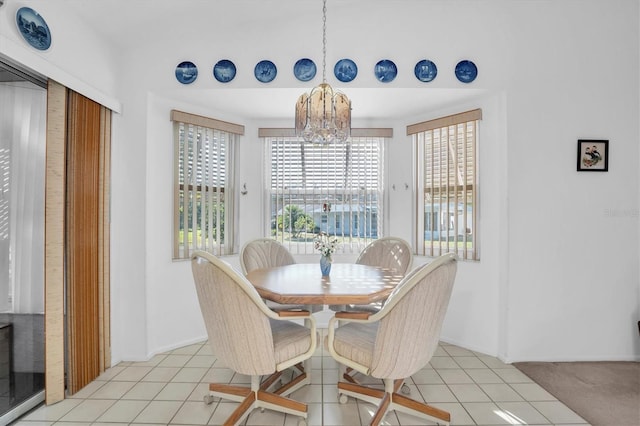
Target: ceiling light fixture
323,116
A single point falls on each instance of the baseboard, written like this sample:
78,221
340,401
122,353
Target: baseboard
631,358
477,349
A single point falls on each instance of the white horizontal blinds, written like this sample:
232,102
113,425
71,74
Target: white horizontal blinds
333,188
447,189
204,208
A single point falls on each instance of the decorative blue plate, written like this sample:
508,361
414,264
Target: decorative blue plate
304,69
186,72
224,71
345,70
265,71
425,70
33,28
385,71
466,71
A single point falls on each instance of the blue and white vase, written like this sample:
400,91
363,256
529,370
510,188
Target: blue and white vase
325,265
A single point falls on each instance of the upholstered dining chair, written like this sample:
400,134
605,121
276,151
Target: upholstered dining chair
397,341
251,339
267,253
387,252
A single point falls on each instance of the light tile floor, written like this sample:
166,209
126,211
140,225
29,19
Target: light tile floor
168,390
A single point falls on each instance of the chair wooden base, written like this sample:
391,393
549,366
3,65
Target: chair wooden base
348,374
388,400
258,396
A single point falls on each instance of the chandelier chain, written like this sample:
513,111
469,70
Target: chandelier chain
324,41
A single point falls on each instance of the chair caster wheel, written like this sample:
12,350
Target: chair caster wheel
405,389
343,398
208,399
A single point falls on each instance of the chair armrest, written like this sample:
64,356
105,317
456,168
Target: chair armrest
309,323
356,315
362,317
293,313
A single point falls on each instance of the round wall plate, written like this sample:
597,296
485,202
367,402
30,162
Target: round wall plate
304,69
224,71
385,71
466,71
33,28
186,72
345,70
265,71
425,70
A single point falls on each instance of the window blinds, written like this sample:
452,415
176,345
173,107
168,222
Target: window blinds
446,179
335,189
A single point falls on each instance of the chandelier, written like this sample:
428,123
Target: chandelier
323,115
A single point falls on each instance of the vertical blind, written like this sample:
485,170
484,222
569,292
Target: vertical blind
87,240
446,182
204,205
335,189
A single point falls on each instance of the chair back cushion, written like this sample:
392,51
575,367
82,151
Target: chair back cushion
264,253
239,331
388,252
408,335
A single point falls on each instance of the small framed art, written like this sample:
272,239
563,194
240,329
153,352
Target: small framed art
593,155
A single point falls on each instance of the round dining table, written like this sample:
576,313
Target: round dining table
303,283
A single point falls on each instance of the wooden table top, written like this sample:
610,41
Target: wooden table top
302,283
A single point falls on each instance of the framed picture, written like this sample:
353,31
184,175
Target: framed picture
593,155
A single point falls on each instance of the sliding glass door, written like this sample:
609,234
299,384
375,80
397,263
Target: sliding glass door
22,178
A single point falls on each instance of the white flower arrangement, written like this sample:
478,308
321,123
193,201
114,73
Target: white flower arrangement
326,245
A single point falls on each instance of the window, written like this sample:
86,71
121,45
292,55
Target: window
446,182
204,159
336,189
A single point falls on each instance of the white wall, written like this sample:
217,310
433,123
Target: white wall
77,58
572,275
559,276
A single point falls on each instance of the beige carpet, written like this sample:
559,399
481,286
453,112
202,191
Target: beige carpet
602,393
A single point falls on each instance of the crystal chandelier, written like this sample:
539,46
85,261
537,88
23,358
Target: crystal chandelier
323,116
